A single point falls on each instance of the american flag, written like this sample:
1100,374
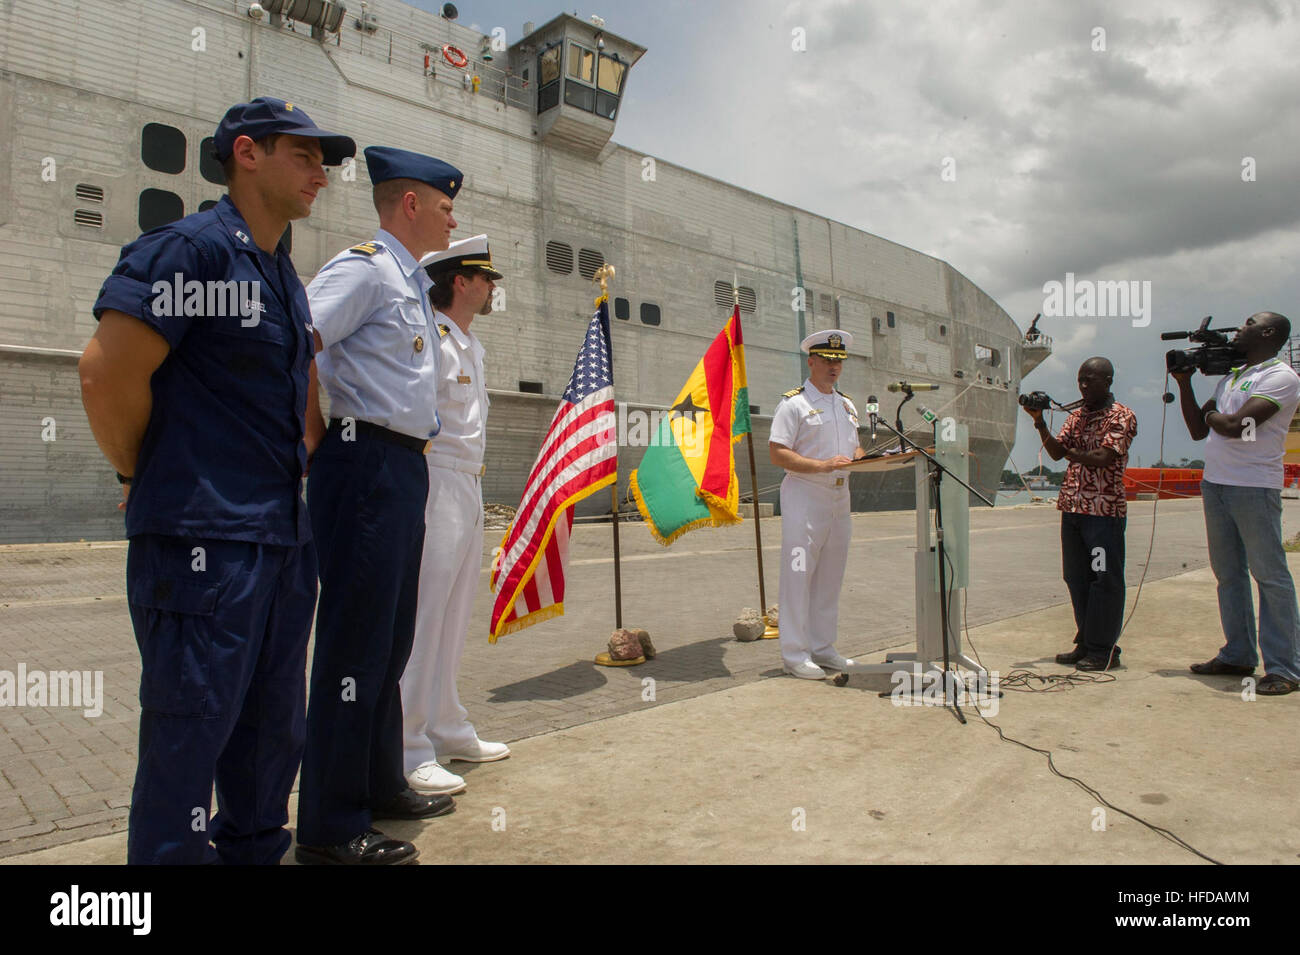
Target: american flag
579,456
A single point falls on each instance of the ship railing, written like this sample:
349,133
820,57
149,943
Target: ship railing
401,49
1038,340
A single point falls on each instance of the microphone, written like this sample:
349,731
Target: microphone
873,409
929,416
908,386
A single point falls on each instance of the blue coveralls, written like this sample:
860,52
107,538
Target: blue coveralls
221,570
367,493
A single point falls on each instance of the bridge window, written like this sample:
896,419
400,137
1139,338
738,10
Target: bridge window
649,314
582,63
622,309
548,70
988,356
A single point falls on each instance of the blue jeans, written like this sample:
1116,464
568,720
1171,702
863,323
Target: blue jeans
1243,526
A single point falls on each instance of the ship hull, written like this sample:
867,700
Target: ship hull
77,101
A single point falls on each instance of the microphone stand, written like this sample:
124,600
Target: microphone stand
937,472
898,422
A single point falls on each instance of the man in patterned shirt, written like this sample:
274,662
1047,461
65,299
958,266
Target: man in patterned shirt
1095,440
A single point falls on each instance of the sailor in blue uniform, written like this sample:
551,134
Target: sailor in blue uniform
378,362
196,385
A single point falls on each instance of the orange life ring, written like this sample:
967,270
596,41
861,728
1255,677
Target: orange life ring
454,56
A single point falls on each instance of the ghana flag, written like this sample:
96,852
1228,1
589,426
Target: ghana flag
687,478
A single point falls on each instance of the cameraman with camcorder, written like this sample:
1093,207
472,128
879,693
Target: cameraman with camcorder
1095,440
1247,421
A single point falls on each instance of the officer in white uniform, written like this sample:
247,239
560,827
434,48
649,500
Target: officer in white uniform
436,728
814,434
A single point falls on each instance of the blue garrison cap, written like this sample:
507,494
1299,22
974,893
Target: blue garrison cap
386,162
266,115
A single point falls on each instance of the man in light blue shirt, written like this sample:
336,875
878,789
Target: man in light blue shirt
378,362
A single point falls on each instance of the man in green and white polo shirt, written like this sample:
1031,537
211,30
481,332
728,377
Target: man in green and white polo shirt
1247,422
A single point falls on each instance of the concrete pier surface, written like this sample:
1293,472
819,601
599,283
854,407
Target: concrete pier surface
708,754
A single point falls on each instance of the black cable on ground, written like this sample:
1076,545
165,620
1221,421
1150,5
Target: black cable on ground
1028,680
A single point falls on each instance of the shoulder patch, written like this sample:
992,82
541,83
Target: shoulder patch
366,248
793,391
443,331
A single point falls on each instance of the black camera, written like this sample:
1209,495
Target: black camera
1216,356
1036,401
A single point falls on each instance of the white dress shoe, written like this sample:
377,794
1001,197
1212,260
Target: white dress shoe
806,670
832,661
432,778
478,752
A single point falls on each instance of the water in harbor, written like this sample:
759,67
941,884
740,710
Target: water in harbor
1009,498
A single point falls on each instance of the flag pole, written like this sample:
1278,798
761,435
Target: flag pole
603,275
770,631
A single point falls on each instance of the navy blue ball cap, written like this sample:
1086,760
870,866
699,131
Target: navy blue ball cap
386,162
266,115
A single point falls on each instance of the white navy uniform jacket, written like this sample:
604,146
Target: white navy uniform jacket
370,306
462,399
817,425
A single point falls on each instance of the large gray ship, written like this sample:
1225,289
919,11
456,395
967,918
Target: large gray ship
106,107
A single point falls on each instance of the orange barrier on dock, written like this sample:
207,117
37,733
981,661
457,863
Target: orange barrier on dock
1165,483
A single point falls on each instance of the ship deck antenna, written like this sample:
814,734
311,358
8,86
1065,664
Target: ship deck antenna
603,275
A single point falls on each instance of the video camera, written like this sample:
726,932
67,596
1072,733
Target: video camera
1041,401
1216,356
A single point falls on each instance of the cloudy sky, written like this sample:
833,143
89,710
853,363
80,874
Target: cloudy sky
1122,163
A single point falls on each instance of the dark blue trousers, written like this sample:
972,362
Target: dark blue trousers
222,628
1092,563
366,498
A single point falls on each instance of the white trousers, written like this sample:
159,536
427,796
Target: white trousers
433,721
815,529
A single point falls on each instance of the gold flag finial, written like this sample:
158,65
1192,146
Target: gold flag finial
603,275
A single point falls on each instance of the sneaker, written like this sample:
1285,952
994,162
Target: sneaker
432,778
806,670
477,752
832,661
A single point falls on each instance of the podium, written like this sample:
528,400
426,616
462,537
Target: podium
951,449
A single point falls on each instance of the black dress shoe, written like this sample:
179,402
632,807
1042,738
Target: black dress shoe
409,804
370,848
1074,656
1099,661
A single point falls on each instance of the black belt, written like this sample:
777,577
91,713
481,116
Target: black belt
384,434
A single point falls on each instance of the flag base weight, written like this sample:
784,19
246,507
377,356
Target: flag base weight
603,659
